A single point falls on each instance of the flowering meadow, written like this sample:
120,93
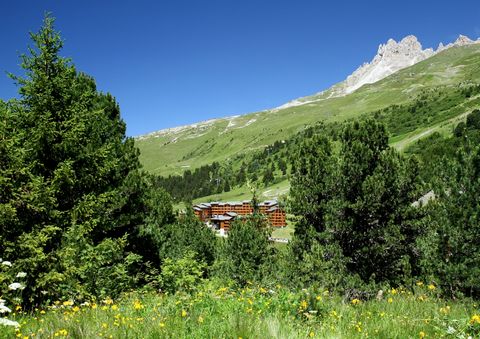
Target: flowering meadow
215,311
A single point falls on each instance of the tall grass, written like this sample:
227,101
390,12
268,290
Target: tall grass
215,311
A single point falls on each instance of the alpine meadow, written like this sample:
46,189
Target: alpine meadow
350,213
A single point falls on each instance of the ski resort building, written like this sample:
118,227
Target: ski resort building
222,214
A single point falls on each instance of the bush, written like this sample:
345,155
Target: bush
182,274
245,253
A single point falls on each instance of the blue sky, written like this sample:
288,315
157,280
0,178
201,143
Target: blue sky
170,63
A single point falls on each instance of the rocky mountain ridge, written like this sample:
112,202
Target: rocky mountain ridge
391,57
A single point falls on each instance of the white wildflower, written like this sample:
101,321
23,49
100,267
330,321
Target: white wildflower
21,275
6,263
15,286
451,330
4,309
6,322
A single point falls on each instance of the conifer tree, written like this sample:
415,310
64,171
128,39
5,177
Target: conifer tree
74,221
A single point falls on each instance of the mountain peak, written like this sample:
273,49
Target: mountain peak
391,57
463,40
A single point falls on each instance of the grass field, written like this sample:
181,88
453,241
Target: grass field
216,311
172,152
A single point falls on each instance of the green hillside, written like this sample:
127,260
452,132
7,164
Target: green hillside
173,151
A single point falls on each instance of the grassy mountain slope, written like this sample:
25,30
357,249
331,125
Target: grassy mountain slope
172,151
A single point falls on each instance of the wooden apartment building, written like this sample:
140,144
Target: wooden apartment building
222,214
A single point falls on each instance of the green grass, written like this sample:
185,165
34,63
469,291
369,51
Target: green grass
244,193
284,232
255,312
173,153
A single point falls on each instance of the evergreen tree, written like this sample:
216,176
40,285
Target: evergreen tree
457,215
244,254
73,219
373,218
311,190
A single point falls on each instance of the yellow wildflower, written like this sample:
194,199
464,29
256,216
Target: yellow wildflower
137,305
431,287
355,301
76,309
319,298
419,283
393,291
422,335
94,306
162,324
303,304
184,313
312,334
108,301
475,319
390,300
445,310
114,307
200,319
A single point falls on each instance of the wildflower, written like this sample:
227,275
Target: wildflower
319,298
445,310
4,309
108,301
21,275
94,306
68,303
162,324
311,334
7,263
303,304
114,307
390,300
422,334
431,287
184,313
63,332
419,283
42,312
393,291
358,326
355,301
475,319
200,319
137,305
7,322
15,286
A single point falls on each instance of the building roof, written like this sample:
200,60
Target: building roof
232,214
221,217
268,203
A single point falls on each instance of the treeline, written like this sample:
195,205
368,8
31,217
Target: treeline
262,168
272,164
